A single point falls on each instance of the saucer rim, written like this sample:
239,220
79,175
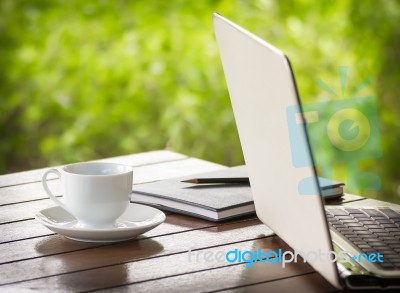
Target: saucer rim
154,223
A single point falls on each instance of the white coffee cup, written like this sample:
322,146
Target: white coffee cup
96,194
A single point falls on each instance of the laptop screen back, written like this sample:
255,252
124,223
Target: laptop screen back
266,109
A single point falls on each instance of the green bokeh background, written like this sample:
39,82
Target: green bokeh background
81,80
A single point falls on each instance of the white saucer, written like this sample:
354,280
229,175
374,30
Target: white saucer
136,220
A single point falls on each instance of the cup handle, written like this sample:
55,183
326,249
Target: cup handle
49,193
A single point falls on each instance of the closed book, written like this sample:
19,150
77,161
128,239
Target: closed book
214,201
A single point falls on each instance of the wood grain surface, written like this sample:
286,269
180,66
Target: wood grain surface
34,258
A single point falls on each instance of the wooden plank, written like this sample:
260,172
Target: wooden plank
369,202
45,262
27,210
30,228
173,169
27,248
51,259
27,192
175,223
142,174
218,279
34,190
135,159
22,230
22,211
307,283
144,270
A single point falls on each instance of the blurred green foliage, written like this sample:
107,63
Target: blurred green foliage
81,80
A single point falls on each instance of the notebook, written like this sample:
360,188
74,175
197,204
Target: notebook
214,202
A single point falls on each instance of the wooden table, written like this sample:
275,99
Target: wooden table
34,258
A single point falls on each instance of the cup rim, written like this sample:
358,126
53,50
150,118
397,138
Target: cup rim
128,169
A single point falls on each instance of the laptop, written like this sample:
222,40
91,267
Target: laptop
262,90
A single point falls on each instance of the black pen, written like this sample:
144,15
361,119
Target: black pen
238,180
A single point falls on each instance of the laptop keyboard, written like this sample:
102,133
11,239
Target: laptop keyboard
372,230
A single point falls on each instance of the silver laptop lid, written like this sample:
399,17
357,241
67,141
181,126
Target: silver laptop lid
263,95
